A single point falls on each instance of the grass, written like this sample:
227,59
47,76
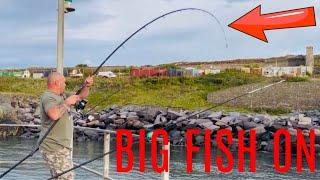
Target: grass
180,92
272,111
297,79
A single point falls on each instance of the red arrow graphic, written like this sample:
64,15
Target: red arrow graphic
254,24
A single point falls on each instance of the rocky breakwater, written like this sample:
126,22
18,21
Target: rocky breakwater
18,110
175,121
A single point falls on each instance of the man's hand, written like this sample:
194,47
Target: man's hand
89,81
85,90
56,112
71,100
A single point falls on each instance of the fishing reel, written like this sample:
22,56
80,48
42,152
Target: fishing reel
81,105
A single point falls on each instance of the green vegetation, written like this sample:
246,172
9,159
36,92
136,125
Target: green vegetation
272,111
82,65
182,92
166,66
253,65
297,79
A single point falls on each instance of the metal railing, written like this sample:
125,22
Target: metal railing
106,159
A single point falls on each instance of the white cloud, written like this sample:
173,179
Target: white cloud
127,16
123,17
98,26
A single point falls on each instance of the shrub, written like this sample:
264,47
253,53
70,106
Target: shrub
297,79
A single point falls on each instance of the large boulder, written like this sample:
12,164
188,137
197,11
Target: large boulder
7,112
149,113
304,120
160,120
226,121
246,125
131,108
215,115
28,117
210,126
172,115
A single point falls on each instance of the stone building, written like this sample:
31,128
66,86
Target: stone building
309,59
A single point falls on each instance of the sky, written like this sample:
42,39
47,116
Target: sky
28,32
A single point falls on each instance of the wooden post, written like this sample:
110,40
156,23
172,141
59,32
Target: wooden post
165,175
106,157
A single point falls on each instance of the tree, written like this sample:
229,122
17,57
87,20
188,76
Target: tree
82,65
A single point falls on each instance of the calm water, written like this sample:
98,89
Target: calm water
14,149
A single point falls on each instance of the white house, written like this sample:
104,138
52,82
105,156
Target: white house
26,74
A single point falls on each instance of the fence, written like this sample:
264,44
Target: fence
290,96
106,159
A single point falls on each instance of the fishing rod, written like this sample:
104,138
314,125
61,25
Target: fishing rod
103,100
82,164
36,148
82,103
149,134
85,115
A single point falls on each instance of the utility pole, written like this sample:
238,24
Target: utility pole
64,6
60,39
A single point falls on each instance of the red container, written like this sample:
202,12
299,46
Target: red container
148,72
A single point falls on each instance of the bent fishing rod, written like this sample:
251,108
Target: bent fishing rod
82,104
85,114
36,148
212,107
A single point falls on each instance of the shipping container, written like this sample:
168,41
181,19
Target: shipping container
245,70
256,71
190,71
37,75
285,71
65,73
148,72
7,74
174,72
211,71
17,74
46,73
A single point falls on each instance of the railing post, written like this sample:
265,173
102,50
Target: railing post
165,175
106,157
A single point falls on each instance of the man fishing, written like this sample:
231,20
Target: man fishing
57,139
55,104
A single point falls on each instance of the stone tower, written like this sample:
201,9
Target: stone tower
309,59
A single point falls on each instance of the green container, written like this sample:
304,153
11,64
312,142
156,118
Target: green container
10,74
18,74
6,73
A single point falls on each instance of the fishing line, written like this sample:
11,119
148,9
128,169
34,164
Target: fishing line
212,107
82,104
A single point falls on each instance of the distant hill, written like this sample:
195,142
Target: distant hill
289,59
